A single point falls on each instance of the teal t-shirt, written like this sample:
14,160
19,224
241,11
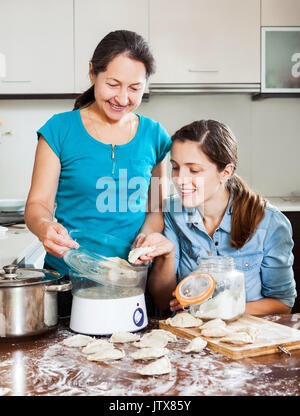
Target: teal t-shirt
102,187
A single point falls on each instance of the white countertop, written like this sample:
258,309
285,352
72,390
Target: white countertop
285,203
17,243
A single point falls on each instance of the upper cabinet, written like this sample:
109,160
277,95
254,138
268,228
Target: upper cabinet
280,13
36,39
205,41
96,18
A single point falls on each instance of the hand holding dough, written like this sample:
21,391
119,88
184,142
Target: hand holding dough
139,251
123,336
196,345
149,353
184,320
77,340
161,366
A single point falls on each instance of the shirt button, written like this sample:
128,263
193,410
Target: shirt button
246,264
216,243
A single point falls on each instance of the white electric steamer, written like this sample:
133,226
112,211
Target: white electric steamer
108,292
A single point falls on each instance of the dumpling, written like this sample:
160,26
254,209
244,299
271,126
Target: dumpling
238,338
149,353
106,354
123,336
196,345
96,345
139,251
184,320
252,331
153,339
161,366
215,332
171,337
213,322
77,340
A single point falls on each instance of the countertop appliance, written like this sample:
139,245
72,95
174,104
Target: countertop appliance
108,292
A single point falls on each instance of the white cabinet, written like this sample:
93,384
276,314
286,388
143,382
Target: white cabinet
96,18
36,38
280,13
205,41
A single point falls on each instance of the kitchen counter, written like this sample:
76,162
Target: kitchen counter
44,367
285,203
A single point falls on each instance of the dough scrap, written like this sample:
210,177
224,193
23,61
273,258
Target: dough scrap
106,354
77,340
215,332
123,336
196,345
184,320
238,338
153,339
95,346
139,251
158,367
149,353
213,322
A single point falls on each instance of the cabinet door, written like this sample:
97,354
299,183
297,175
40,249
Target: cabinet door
96,18
280,13
205,41
36,38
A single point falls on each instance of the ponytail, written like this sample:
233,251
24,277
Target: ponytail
247,209
85,99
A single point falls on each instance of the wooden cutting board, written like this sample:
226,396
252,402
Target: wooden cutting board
270,337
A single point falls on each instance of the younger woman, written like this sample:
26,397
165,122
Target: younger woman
216,214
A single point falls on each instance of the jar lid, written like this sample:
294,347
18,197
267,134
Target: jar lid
195,288
13,275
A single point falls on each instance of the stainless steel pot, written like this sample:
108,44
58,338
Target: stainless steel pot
28,301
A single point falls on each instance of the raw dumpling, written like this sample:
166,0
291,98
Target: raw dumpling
149,353
215,332
106,354
161,366
196,345
96,346
213,322
184,320
171,337
123,336
252,331
238,338
139,251
77,340
153,339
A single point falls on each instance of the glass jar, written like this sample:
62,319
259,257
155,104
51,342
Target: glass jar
227,300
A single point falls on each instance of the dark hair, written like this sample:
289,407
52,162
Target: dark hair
219,144
113,44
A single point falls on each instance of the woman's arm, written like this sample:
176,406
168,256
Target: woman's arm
40,202
266,306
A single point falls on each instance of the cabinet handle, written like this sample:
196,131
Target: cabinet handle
14,81
203,70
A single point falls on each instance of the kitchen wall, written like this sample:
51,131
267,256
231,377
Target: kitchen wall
268,133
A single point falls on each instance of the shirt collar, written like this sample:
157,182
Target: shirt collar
193,217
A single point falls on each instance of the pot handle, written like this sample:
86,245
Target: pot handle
59,288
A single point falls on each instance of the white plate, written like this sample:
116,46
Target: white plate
11,205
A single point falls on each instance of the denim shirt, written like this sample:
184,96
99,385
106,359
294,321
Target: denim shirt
266,260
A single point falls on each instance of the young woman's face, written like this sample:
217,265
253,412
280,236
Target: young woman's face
119,90
195,176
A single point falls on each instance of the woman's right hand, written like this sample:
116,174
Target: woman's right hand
55,238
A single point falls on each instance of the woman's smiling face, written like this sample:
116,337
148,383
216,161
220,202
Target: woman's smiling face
195,176
119,90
